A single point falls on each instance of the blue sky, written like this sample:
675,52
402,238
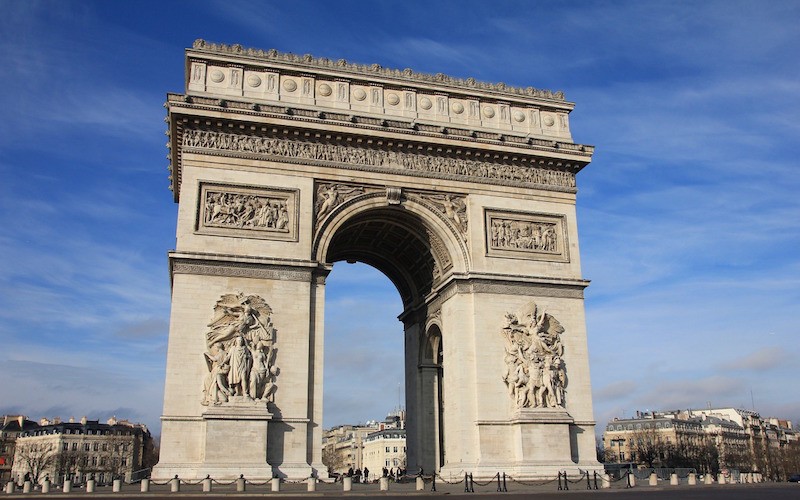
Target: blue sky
689,214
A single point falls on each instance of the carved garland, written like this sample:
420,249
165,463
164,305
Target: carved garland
535,373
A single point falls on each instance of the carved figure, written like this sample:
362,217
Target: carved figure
329,196
454,208
241,351
241,210
524,235
535,373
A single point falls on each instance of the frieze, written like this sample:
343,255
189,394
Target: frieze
526,235
329,195
269,213
239,270
342,65
379,159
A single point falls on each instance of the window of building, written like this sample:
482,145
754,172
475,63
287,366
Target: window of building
387,449
124,461
85,446
74,446
65,447
94,460
105,446
395,449
96,446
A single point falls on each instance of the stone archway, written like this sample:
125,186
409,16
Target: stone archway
462,193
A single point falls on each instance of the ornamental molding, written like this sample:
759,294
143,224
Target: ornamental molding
380,160
238,270
372,70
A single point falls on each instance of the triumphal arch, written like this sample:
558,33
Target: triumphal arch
461,192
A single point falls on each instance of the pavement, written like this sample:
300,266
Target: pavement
762,491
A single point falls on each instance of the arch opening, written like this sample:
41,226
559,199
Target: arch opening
402,245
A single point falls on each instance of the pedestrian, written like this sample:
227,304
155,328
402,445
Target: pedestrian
366,475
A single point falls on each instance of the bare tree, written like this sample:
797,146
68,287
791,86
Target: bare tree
648,447
36,458
332,459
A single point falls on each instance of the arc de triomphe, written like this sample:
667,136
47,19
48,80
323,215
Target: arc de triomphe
461,192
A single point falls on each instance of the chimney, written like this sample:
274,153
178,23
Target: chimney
83,420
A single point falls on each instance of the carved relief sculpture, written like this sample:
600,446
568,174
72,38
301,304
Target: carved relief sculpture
524,235
453,207
535,373
236,210
329,196
240,351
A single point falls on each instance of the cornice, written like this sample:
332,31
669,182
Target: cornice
374,70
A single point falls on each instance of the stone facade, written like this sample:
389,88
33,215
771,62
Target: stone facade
461,192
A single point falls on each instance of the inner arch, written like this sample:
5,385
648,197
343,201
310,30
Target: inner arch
396,243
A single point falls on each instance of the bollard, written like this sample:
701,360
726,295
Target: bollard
433,482
90,484
26,487
384,482
692,479
708,478
605,481
116,486
466,483
240,484
653,479
559,481
207,484
347,484
631,480
721,478
145,485
10,487
505,488
673,479
499,488
67,486
420,483
175,484
312,484
275,484
46,485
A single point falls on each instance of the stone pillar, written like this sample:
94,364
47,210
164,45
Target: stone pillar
10,487
420,483
708,478
116,486
653,479
67,488
26,487
207,485
721,478
90,486
632,480
673,479
384,482
240,484
605,481
46,485
312,484
347,484
692,479
275,484
174,485
145,485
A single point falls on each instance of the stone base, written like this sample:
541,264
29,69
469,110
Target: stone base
235,444
535,443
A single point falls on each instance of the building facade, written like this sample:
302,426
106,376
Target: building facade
707,439
385,449
77,450
13,426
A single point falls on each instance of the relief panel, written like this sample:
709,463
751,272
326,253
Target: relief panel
248,211
526,235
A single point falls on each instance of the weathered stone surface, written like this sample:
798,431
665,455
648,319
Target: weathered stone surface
462,193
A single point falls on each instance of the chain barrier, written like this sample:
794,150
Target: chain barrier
161,484
256,483
487,483
442,479
534,483
221,483
577,480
